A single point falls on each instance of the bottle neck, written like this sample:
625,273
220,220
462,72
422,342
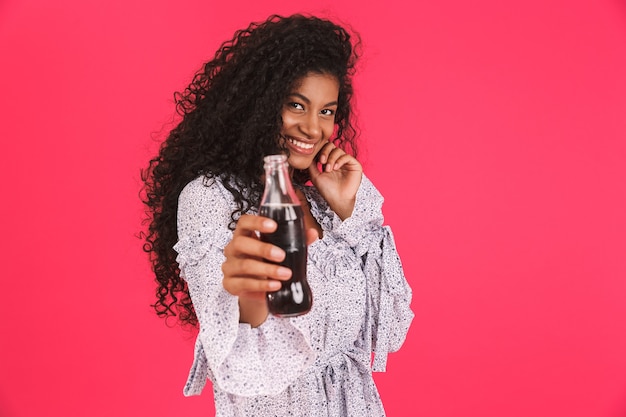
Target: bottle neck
278,185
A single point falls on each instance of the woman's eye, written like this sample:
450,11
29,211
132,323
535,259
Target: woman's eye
328,112
296,106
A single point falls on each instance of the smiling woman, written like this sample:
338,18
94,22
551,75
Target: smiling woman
202,192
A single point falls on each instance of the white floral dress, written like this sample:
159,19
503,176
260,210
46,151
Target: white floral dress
315,365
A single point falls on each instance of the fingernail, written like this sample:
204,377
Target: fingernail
274,285
268,224
276,253
283,272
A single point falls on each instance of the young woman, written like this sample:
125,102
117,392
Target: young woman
280,86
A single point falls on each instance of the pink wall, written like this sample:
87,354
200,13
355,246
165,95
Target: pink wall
496,131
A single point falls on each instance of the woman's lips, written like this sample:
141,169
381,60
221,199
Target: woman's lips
300,146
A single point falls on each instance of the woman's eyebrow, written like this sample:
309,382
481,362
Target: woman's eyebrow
307,101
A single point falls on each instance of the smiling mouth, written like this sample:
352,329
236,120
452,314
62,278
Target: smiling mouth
298,144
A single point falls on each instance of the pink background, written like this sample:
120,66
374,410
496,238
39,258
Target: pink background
495,129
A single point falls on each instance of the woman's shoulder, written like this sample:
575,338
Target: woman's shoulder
201,185
202,188
206,194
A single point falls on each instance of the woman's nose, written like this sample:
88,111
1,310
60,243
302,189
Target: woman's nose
311,127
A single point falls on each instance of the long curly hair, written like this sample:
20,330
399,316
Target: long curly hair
231,118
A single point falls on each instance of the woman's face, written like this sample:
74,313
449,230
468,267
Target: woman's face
309,117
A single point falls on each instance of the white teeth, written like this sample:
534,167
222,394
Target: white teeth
301,144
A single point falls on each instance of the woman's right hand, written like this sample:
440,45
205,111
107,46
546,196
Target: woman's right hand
249,271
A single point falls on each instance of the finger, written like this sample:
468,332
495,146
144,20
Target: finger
255,269
334,156
238,286
251,246
248,224
346,161
324,152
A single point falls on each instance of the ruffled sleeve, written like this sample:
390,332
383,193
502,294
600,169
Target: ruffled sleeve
239,359
389,296
388,312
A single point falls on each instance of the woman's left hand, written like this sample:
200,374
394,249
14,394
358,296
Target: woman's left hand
338,180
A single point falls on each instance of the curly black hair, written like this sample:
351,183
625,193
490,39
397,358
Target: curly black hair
230,119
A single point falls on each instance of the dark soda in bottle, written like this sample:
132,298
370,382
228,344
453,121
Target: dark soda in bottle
281,204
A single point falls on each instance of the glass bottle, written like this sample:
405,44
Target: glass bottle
280,203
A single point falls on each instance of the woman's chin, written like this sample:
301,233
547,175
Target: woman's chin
299,163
